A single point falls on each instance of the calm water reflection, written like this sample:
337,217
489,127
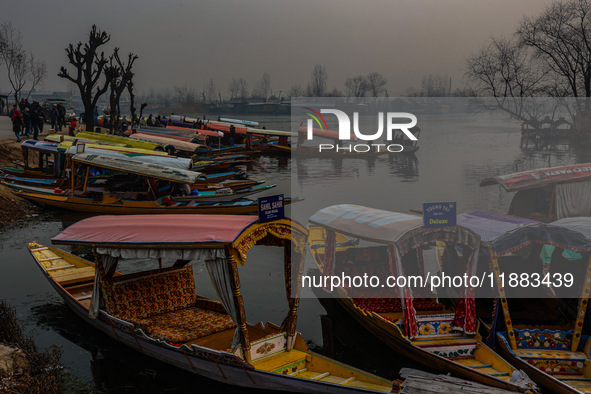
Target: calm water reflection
455,154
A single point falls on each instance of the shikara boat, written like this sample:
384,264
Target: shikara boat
185,147
138,195
106,139
342,241
555,353
549,193
49,161
159,313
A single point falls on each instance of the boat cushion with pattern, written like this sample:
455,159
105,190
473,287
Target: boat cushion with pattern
150,293
184,325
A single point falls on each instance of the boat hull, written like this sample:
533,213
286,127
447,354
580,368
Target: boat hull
545,381
128,207
393,337
220,366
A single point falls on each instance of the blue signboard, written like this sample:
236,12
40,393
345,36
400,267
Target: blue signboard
271,208
439,214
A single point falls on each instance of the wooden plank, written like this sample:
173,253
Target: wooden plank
280,360
59,267
50,258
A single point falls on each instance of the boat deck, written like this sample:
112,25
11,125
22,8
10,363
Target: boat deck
65,272
303,365
467,352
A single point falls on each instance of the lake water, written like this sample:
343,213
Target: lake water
456,153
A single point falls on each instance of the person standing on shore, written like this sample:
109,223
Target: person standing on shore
232,135
53,114
26,121
61,118
73,127
38,120
17,122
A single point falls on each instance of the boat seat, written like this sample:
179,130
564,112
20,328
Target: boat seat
184,325
554,361
384,305
150,293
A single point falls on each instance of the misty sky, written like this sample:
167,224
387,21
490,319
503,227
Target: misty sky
187,42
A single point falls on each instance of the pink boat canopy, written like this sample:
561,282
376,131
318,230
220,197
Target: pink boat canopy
541,177
164,231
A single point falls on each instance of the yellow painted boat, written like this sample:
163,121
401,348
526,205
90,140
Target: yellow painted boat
158,312
556,356
422,329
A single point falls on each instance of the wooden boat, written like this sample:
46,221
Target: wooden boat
549,193
158,312
49,161
167,142
106,139
422,329
131,200
116,203
555,356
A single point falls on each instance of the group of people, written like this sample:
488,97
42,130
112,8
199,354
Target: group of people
27,118
154,121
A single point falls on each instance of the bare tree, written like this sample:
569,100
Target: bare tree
37,72
210,91
89,69
318,82
560,38
376,83
296,91
263,87
505,71
356,86
238,88
13,57
120,74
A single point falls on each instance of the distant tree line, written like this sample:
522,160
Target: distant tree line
549,55
23,69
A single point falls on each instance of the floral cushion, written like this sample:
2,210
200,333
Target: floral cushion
184,325
540,339
152,293
384,305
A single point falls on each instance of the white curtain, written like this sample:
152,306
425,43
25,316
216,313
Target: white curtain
178,254
572,199
222,278
107,262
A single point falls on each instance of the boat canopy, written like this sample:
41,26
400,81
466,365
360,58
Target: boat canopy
162,140
402,233
139,167
541,177
170,161
210,133
164,231
41,146
132,236
222,241
400,229
126,150
506,233
114,139
276,133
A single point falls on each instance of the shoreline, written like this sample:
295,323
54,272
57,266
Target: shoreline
12,207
